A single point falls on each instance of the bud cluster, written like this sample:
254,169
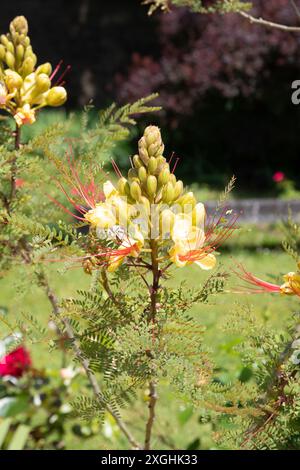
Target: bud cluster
24,88
150,176
151,207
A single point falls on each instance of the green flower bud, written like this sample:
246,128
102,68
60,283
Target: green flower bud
13,80
43,83
56,96
152,135
145,203
28,52
164,175
132,174
143,153
27,67
10,47
4,40
2,52
10,60
152,165
34,58
172,179
135,190
151,185
19,25
187,199
166,222
137,161
20,52
123,186
168,193
44,68
178,189
161,161
155,149
142,174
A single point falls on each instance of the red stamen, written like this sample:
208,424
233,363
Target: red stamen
59,81
116,169
56,69
175,164
259,286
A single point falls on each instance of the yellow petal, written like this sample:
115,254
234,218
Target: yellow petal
207,262
182,228
102,216
109,189
199,215
174,253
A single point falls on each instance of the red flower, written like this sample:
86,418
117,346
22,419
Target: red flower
15,363
278,176
19,182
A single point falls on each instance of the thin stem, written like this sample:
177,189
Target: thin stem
269,24
14,164
107,288
153,399
82,359
151,318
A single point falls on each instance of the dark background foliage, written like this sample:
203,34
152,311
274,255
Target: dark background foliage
225,84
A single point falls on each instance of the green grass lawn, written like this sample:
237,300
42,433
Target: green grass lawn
173,415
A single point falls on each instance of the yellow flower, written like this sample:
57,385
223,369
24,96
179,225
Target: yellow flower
102,216
130,246
114,211
291,286
23,87
189,243
24,115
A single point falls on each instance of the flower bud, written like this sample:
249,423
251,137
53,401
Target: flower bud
10,47
151,185
142,174
19,25
56,96
187,199
44,68
168,193
198,215
164,175
143,153
132,174
87,266
123,186
28,52
152,135
19,52
146,203
34,59
161,163
10,60
172,179
13,80
26,41
27,67
152,165
135,190
137,161
43,83
166,222
2,52
178,189
4,40
154,149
